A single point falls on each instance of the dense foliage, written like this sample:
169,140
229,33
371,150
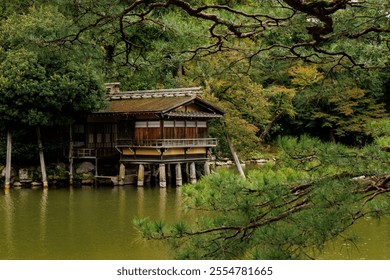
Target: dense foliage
277,67
42,83
286,210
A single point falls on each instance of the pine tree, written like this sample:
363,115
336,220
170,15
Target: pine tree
310,195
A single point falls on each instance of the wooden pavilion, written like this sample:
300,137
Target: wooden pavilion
157,129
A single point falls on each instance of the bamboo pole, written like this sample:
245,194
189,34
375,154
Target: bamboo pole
8,161
42,158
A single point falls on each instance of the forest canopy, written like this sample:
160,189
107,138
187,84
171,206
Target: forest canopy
305,81
276,67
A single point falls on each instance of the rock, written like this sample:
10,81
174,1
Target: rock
25,175
85,167
36,185
87,178
61,166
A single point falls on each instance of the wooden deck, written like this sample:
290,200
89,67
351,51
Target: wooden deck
168,143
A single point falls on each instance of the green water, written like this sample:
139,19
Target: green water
96,223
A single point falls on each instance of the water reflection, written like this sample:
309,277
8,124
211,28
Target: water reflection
43,214
141,200
8,209
162,203
96,223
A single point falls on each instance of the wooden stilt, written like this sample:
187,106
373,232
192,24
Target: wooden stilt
179,179
8,161
141,175
70,156
163,179
192,173
207,168
122,173
42,159
96,167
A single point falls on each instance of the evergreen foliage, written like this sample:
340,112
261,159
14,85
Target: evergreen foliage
310,195
277,68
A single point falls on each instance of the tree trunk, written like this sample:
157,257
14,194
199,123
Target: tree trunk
8,161
42,159
332,138
269,126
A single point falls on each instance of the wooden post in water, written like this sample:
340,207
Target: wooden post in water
192,173
163,178
141,175
179,178
42,159
8,161
207,168
122,173
70,155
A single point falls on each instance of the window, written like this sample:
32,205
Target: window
141,124
180,124
99,138
169,124
90,138
191,123
154,124
202,124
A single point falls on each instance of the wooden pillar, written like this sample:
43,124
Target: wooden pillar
122,173
192,173
207,168
42,159
141,175
96,167
70,156
163,179
8,161
179,178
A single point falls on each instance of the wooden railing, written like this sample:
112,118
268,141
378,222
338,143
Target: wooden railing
169,143
84,153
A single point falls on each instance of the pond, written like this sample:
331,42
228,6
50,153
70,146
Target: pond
96,223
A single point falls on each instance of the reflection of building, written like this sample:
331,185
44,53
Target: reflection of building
148,129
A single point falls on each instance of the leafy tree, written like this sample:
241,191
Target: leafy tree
312,194
346,32
340,106
42,83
